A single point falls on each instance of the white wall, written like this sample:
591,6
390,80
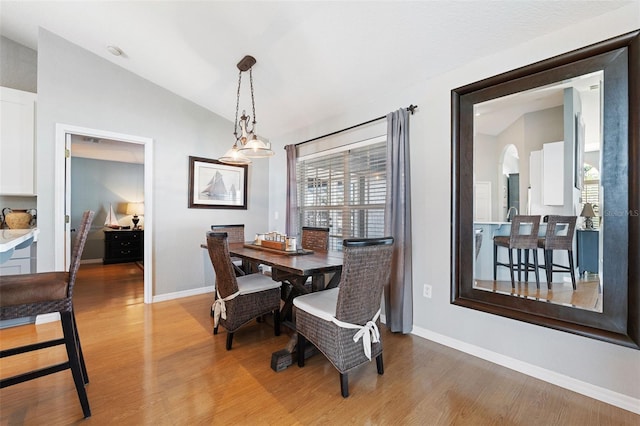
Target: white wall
78,88
18,66
600,365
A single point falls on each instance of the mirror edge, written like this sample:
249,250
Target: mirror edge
462,293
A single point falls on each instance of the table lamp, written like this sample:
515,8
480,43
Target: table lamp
587,213
135,209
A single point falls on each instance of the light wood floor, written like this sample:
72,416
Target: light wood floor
160,365
587,295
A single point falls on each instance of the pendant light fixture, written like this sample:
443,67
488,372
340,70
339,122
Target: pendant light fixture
247,144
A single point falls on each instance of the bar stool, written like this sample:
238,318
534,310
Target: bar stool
523,236
43,293
559,236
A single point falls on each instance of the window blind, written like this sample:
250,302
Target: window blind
344,189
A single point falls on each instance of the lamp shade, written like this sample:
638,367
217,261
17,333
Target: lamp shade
256,148
587,210
234,156
135,209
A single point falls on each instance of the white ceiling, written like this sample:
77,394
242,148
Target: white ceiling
314,59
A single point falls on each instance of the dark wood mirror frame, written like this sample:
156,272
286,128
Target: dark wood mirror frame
619,321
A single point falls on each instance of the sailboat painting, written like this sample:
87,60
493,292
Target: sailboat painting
216,185
111,221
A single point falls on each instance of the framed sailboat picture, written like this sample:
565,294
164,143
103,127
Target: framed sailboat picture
214,185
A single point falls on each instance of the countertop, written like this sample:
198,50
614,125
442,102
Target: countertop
12,238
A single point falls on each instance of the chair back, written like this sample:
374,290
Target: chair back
218,246
524,232
560,231
78,248
235,232
316,239
366,269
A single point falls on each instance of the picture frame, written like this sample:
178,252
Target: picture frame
215,185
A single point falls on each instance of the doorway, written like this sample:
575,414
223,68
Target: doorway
63,202
513,194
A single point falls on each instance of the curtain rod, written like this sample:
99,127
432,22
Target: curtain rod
411,108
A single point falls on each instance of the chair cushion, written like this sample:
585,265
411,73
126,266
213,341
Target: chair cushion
254,283
33,288
321,304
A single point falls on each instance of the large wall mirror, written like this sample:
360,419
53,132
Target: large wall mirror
559,137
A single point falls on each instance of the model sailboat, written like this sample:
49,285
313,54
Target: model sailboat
112,220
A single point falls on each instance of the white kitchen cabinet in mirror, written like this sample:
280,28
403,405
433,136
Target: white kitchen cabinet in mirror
17,111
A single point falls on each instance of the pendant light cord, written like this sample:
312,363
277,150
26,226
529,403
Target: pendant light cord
253,103
235,123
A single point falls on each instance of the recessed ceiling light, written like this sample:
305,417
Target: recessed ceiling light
114,50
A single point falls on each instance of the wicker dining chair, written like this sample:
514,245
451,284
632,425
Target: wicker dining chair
523,236
29,295
314,238
559,236
332,319
238,300
236,235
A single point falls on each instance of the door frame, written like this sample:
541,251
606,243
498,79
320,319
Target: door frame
61,229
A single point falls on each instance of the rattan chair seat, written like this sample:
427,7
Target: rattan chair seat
32,289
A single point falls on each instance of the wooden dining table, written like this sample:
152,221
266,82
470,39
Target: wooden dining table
294,268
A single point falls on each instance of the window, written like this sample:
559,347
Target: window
591,191
344,189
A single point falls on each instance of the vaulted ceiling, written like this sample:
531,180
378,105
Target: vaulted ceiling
314,59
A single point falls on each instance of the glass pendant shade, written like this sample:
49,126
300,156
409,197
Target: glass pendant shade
234,156
256,148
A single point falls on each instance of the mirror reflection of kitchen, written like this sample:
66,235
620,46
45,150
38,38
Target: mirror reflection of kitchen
538,153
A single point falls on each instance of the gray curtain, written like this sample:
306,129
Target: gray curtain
291,223
398,298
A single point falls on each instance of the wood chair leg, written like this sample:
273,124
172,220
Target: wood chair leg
74,360
344,384
535,265
79,346
229,340
549,267
513,281
573,273
495,261
519,251
276,322
215,330
302,342
379,364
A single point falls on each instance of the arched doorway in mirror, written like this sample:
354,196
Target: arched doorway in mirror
509,178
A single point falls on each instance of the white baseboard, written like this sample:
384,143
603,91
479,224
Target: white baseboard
592,391
45,318
185,293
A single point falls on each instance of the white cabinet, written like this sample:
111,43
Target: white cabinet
23,261
17,124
